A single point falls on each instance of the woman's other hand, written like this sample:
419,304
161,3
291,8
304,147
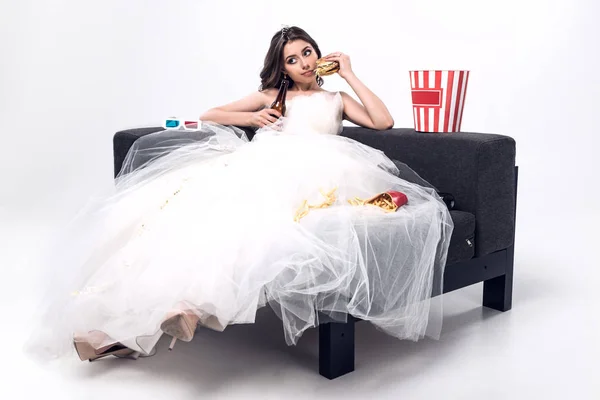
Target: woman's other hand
264,117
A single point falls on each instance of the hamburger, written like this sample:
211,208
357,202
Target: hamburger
325,67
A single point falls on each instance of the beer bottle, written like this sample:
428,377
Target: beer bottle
279,103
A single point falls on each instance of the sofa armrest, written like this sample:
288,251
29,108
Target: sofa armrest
122,142
478,169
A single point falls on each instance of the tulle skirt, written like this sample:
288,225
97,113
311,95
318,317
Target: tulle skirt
224,224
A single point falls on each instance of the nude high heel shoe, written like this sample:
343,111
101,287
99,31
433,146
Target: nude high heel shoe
208,318
212,322
180,324
86,346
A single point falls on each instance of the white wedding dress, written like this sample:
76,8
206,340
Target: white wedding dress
212,222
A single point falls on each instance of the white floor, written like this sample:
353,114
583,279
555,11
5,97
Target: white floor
544,348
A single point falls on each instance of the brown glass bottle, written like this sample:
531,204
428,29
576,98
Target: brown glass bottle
279,103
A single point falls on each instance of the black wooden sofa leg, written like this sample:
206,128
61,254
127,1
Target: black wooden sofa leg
336,348
497,292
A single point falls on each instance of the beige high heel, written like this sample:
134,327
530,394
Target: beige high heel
180,324
85,346
212,322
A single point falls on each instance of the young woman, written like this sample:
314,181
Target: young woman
209,230
294,54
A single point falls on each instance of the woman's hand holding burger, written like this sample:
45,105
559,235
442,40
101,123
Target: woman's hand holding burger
327,65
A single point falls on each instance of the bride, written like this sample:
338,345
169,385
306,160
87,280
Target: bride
206,232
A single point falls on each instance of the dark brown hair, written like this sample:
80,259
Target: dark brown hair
272,72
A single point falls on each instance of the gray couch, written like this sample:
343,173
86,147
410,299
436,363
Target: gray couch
478,170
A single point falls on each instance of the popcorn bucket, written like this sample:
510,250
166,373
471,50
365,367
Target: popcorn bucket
438,99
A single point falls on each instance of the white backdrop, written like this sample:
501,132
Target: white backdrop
73,72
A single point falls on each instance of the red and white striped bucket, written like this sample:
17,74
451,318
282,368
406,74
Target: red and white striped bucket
438,99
